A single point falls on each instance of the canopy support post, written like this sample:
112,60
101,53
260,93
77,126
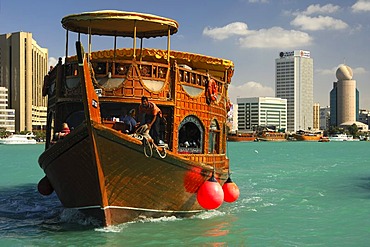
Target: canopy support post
134,40
89,41
115,48
168,44
67,41
141,49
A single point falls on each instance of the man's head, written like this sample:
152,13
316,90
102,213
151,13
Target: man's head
144,101
132,112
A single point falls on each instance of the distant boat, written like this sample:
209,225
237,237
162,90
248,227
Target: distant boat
342,137
324,139
19,139
241,137
302,135
268,135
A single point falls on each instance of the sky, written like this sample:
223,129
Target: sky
251,33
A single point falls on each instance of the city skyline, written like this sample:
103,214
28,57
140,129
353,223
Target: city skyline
251,33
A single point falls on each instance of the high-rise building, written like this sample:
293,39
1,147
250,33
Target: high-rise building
324,118
294,82
261,111
344,98
7,116
23,65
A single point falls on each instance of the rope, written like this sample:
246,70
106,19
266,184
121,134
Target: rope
142,134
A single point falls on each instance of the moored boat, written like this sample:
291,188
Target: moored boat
324,139
241,137
307,136
270,135
341,137
28,138
117,177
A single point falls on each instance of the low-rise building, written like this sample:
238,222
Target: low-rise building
261,112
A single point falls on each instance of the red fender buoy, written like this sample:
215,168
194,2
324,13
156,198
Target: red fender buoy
44,186
231,191
210,194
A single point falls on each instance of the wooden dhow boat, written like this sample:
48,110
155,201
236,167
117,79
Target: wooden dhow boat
302,135
241,137
97,167
271,135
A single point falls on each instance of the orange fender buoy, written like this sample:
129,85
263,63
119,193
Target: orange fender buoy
44,186
210,194
231,191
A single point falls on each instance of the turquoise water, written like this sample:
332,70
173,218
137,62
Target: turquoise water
292,194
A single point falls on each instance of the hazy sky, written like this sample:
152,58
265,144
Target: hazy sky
251,33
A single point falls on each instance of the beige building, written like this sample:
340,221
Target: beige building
7,116
23,65
316,116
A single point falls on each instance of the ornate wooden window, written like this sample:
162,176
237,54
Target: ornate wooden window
191,134
214,137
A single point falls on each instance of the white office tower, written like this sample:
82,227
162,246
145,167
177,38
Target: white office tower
294,82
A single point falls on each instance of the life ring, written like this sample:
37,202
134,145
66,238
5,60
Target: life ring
212,90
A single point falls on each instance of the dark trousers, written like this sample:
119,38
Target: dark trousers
154,130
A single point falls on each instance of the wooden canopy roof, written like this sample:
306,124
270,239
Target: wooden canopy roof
119,23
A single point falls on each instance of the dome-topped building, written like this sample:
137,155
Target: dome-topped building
344,97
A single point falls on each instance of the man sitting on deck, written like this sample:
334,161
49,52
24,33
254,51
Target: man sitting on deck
130,121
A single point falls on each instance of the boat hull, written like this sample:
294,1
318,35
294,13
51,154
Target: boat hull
9,142
272,138
124,184
313,138
241,138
